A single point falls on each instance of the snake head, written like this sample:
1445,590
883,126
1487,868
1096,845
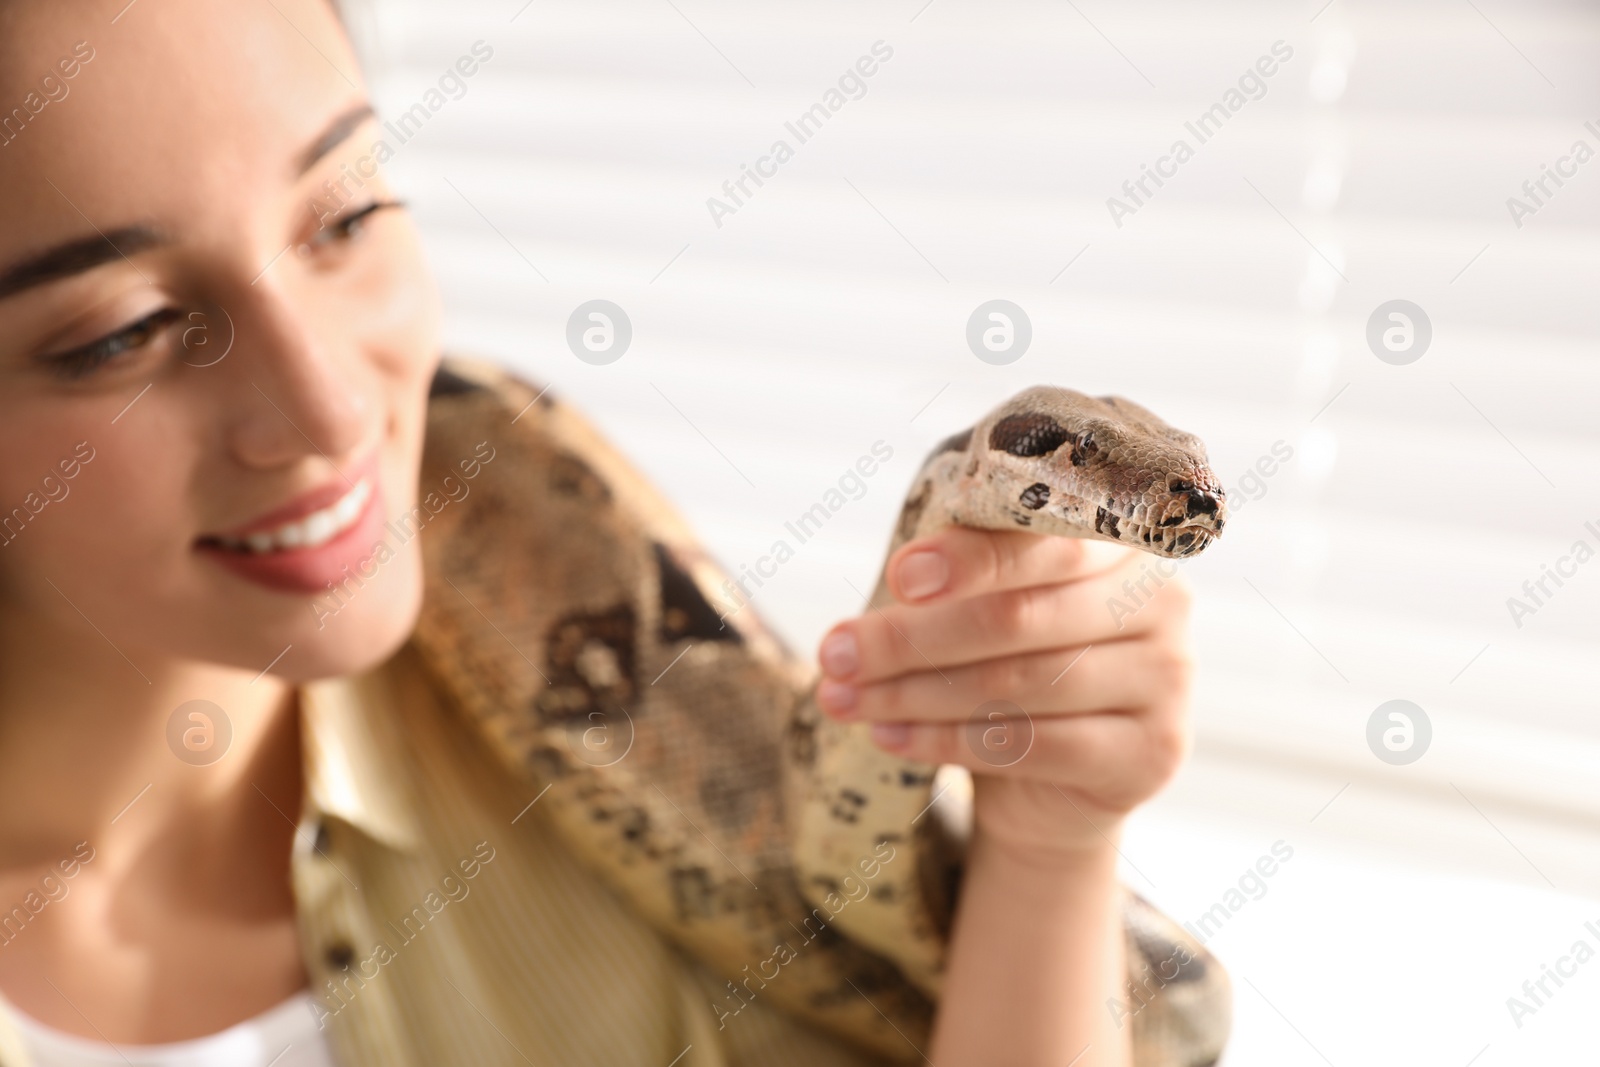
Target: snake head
1060,462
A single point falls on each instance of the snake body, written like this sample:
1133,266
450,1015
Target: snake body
1051,461
680,753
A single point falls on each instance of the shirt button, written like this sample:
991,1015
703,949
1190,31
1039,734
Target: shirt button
339,955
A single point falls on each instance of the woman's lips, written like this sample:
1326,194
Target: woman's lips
309,531
294,549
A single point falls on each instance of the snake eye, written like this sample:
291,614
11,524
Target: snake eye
1178,485
1083,446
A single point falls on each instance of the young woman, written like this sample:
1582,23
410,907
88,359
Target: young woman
173,518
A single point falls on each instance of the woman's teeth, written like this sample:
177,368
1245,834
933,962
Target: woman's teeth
315,529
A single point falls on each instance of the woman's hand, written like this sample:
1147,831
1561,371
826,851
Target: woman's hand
1056,669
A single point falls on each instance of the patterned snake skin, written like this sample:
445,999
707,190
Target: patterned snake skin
566,617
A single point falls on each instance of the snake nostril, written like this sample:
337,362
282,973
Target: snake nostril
1201,502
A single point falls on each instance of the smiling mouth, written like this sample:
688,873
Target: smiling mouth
308,531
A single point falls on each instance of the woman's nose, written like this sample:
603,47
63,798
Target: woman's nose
300,393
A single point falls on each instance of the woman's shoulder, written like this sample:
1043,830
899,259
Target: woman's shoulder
576,623
555,573
483,415
560,583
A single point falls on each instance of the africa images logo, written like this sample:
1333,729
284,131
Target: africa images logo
1252,85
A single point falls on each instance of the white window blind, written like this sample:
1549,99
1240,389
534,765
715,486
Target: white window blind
829,308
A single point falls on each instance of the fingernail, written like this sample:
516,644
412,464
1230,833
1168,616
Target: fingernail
891,735
923,574
837,699
839,654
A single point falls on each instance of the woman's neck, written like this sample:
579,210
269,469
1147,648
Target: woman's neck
89,750
154,862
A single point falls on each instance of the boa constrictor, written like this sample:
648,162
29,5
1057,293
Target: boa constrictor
679,750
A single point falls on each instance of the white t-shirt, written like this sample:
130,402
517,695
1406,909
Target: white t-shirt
284,1036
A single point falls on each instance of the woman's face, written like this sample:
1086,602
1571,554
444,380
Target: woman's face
215,339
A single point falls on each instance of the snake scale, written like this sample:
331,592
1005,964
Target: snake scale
679,752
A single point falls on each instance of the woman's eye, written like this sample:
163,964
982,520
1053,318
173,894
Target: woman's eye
86,359
349,227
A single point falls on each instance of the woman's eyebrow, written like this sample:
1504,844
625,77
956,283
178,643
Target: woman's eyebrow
76,256
334,135
82,254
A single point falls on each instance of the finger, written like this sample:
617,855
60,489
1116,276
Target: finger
898,639
1116,675
1118,759
961,561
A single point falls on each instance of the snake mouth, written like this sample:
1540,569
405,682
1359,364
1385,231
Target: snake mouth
1177,540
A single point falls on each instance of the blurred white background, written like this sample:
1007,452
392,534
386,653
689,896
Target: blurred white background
829,311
